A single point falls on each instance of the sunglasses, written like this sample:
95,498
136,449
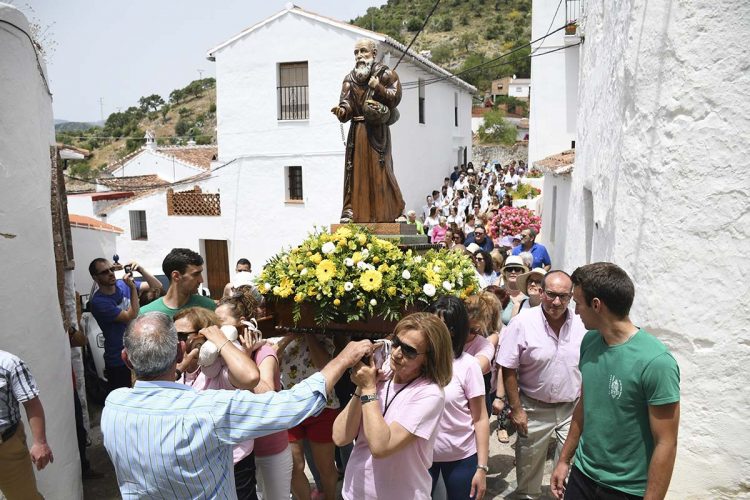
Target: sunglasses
514,270
408,351
564,297
107,271
183,336
534,282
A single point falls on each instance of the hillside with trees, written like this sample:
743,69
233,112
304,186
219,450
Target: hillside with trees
187,113
461,34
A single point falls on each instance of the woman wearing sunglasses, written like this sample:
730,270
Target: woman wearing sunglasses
234,369
513,268
462,445
394,413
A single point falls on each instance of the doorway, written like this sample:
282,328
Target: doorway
217,266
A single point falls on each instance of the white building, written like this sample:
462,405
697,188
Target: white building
280,164
92,239
554,78
660,187
29,302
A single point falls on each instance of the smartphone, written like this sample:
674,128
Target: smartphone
128,269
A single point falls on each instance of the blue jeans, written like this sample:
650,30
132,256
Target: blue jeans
456,475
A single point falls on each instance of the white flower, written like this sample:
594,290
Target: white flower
447,285
348,262
436,269
418,259
370,267
406,274
361,265
365,253
348,286
373,302
429,290
303,272
267,286
328,248
460,280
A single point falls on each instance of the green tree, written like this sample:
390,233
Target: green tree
442,53
176,96
497,130
151,103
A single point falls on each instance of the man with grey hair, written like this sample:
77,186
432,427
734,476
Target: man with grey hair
529,244
167,440
411,218
369,96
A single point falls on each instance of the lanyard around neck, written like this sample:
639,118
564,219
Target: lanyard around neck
396,393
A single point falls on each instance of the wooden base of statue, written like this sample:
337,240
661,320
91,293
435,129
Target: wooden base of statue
406,234
279,320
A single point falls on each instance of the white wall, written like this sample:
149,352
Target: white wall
665,158
89,244
32,326
81,204
149,162
554,78
246,73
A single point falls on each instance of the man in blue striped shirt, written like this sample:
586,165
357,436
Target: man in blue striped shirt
168,441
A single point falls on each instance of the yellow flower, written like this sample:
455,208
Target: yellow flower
342,243
352,245
325,271
375,259
316,258
300,267
371,280
391,291
336,302
383,268
344,232
299,297
356,257
360,303
362,238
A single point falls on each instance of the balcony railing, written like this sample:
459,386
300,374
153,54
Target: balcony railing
573,13
293,102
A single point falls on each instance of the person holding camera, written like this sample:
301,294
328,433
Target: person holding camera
114,305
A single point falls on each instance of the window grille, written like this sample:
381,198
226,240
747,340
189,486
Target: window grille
294,183
421,101
292,91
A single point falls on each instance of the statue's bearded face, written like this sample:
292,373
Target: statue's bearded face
364,56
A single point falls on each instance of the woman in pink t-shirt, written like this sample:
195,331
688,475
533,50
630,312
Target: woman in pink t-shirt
394,417
234,369
462,445
273,457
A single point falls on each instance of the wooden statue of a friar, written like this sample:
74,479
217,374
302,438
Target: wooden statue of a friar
369,96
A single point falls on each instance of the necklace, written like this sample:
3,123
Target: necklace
396,393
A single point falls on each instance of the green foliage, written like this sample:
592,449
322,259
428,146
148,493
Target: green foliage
182,127
184,112
514,105
442,53
212,108
414,24
496,130
203,140
524,191
135,141
150,103
443,24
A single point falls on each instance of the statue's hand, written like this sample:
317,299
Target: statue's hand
374,82
338,111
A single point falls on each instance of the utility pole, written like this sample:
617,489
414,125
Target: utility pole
200,74
101,109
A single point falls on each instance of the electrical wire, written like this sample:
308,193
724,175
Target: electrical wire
417,34
550,26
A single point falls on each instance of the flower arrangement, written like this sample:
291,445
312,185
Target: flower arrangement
352,275
525,191
534,173
510,221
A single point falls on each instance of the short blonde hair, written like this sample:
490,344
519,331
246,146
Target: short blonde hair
480,314
438,366
199,317
495,307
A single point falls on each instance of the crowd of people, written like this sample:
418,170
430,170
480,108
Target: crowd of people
203,407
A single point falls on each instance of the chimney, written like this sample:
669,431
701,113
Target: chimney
150,140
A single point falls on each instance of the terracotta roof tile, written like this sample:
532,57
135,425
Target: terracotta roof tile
558,164
90,223
78,186
133,181
199,156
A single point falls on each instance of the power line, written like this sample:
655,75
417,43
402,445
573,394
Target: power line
417,34
550,25
430,81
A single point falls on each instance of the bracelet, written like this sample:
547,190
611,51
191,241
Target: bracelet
222,345
485,468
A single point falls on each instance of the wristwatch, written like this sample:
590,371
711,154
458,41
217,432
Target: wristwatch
485,468
366,398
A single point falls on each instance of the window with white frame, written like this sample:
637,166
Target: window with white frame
292,90
138,229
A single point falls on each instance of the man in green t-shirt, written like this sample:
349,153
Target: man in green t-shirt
184,268
623,438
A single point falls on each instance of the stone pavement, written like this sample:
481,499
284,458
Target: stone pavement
500,481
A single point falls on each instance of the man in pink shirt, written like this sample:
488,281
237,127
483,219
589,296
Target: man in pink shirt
539,359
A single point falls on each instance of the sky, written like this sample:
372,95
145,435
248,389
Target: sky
121,50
